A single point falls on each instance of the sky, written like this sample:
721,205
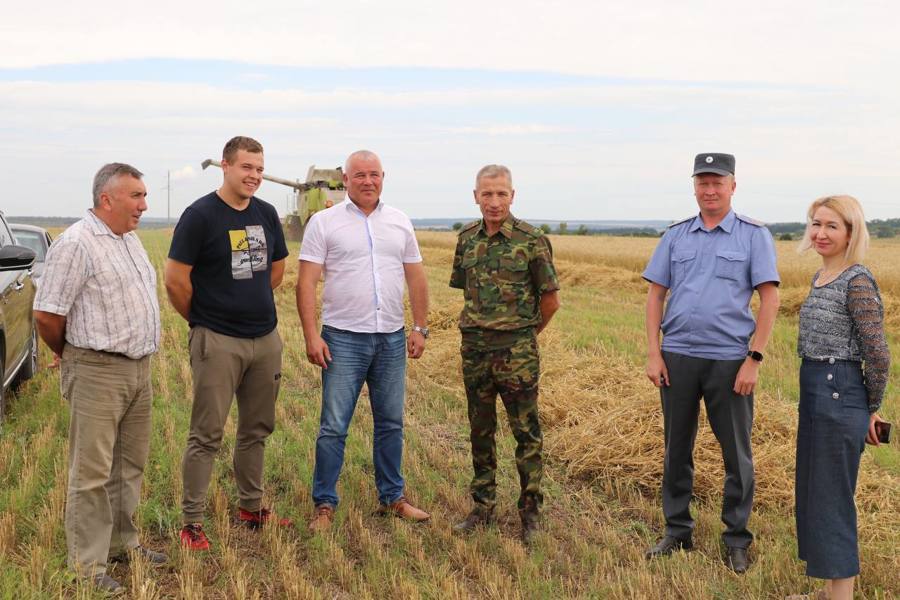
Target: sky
598,108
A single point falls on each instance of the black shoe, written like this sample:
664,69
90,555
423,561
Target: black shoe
530,521
736,559
667,546
479,517
530,526
151,556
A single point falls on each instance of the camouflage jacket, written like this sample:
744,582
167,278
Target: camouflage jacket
502,276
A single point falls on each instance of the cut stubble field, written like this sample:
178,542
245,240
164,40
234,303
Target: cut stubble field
603,448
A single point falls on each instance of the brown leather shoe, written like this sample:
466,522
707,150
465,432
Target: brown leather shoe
403,509
322,518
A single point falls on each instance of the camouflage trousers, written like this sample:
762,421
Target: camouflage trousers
512,372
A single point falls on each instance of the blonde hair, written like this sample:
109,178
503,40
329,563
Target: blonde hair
851,212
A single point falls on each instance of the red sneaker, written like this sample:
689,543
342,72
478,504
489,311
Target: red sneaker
193,538
258,518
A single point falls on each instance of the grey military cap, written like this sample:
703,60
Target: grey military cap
714,162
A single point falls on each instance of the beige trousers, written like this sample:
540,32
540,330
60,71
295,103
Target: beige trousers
109,441
224,367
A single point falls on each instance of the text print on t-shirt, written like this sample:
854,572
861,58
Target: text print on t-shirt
248,251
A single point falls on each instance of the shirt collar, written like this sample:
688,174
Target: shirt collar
351,206
97,226
506,229
726,225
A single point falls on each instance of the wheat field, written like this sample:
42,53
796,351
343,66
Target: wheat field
603,448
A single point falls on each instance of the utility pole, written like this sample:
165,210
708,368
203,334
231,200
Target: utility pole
168,189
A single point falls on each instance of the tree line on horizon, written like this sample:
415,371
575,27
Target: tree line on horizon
879,228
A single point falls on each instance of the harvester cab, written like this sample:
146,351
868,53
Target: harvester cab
322,188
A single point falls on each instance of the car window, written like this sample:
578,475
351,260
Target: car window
33,240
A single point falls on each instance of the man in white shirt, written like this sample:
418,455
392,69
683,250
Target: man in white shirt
97,308
366,251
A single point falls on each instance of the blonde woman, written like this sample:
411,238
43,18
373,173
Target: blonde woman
842,380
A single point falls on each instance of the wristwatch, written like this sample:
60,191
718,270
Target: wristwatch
422,330
757,356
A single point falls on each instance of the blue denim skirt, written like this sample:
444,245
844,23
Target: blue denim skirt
834,419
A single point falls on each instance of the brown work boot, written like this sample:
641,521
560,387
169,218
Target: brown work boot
322,519
480,516
530,520
403,509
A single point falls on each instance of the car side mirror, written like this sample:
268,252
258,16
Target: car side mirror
15,258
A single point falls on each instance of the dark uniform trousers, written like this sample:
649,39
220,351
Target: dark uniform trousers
504,363
731,418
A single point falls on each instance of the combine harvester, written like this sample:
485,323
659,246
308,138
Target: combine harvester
322,188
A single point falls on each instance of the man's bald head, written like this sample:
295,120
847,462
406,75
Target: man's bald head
360,156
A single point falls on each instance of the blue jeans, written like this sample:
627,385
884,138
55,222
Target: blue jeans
379,360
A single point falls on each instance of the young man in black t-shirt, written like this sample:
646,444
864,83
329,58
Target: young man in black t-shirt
226,258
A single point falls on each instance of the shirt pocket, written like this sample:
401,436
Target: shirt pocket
731,264
682,261
513,280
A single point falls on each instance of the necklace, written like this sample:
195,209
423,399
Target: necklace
829,275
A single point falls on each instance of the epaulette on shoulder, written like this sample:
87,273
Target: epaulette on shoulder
528,228
680,222
749,220
470,227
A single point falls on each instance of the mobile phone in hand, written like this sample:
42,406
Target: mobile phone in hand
883,432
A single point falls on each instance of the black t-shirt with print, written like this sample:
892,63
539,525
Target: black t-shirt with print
231,252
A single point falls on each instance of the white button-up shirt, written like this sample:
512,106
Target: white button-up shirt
105,286
363,261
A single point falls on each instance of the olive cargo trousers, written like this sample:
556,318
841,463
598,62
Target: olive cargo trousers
224,367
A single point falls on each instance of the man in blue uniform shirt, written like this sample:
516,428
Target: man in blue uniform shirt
709,265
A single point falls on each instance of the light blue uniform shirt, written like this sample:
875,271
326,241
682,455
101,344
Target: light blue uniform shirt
711,275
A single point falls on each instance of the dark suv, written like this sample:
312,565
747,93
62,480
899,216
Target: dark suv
18,338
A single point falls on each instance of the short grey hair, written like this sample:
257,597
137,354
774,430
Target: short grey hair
364,155
491,171
107,174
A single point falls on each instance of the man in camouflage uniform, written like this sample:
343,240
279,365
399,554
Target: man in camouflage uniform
505,268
